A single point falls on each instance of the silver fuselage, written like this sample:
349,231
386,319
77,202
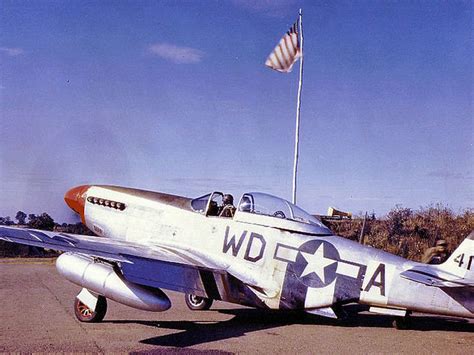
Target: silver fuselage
293,267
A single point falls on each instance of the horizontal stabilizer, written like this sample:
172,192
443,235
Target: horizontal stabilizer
432,276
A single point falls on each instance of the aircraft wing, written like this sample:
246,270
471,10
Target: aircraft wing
168,265
432,276
106,248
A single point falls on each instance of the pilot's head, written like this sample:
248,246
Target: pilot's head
228,199
441,245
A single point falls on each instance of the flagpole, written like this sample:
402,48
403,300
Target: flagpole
298,108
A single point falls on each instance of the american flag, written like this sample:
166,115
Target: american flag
287,51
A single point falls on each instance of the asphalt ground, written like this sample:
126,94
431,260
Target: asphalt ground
37,316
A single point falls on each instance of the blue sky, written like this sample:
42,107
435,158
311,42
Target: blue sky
174,96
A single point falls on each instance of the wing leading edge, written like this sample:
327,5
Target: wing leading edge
110,249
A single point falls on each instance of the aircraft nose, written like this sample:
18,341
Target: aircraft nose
75,199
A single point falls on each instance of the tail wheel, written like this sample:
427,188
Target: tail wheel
401,323
196,303
85,314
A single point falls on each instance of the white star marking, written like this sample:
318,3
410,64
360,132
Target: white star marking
316,263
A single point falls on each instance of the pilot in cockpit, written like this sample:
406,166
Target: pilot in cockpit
227,209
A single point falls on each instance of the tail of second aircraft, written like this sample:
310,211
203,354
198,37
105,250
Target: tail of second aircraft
461,261
457,271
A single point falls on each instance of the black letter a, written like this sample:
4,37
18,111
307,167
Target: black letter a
380,284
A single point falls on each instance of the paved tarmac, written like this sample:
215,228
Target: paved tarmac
37,316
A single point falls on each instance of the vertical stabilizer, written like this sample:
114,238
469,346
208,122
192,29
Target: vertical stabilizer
461,261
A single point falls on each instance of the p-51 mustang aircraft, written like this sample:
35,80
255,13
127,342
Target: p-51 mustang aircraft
265,252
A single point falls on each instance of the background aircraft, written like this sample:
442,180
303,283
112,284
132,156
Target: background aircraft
265,252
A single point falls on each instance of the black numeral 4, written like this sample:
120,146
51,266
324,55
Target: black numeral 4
460,261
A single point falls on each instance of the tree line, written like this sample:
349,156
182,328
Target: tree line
408,233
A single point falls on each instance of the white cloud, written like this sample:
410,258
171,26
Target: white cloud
12,52
448,174
177,54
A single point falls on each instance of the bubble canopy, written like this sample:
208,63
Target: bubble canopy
268,210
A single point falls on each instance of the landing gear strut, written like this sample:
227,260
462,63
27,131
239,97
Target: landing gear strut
196,303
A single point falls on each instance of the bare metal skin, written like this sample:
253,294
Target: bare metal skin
266,254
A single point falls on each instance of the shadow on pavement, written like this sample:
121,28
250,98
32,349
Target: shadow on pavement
249,320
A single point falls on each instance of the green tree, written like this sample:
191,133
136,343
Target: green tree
21,217
43,221
6,221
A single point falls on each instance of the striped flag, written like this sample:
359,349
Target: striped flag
287,51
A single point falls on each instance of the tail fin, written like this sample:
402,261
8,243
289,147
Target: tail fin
461,261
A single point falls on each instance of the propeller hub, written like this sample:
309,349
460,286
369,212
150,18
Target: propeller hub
76,198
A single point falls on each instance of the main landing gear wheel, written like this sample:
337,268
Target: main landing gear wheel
85,314
196,303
